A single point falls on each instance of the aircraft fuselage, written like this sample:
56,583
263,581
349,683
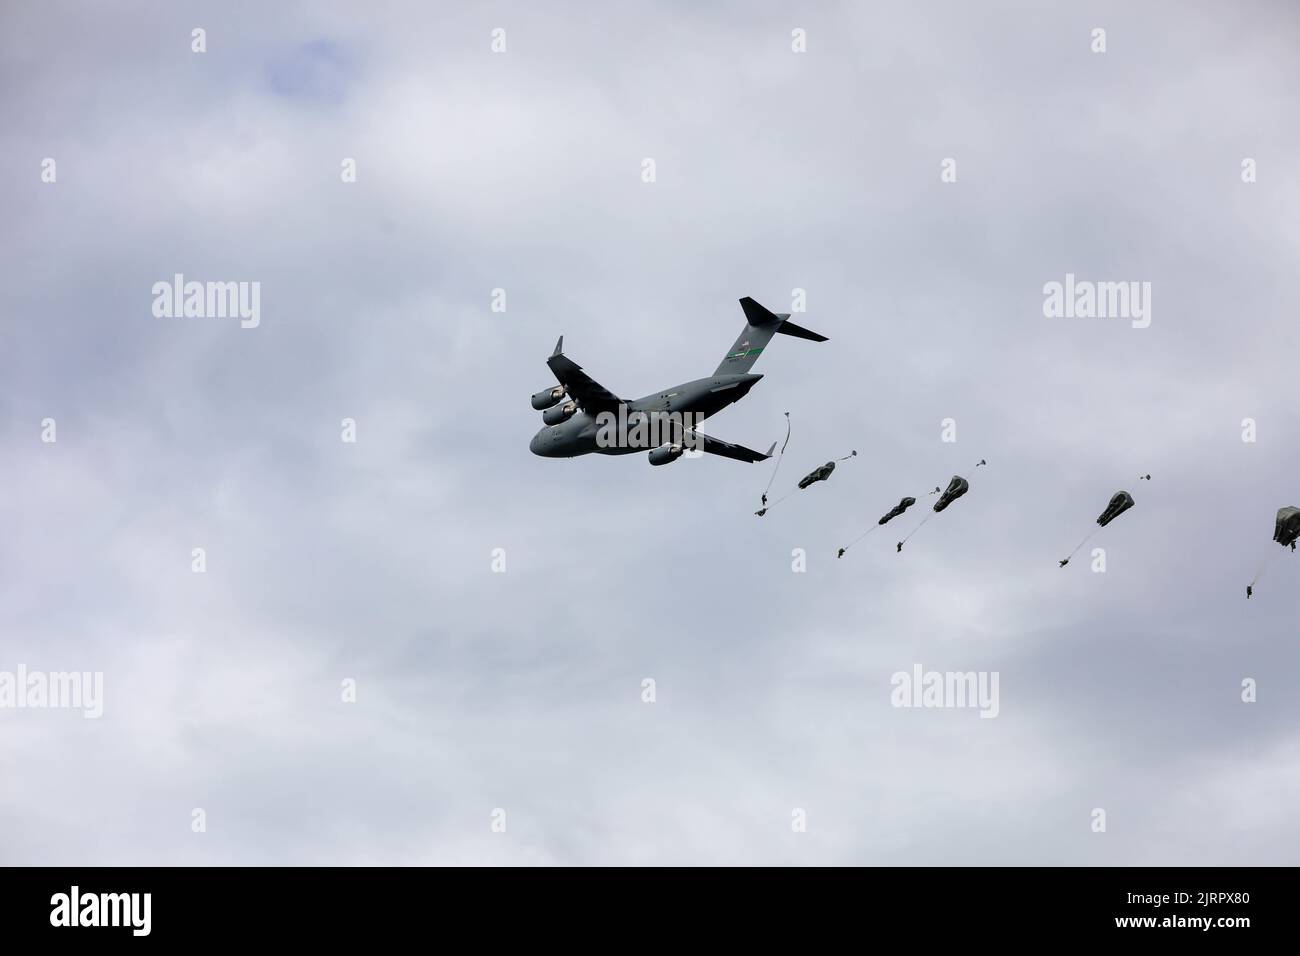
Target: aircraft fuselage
700,398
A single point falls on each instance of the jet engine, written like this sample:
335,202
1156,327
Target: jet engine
560,413
548,397
663,455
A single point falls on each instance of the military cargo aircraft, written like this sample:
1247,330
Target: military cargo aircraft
582,417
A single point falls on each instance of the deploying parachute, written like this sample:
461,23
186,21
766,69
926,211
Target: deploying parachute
779,457
957,487
1287,526
817,474
897,510
893,512
1120,502
814,476
1286,529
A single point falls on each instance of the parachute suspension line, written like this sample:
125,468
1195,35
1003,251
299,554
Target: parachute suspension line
848,456
783,497
915,530
1082,543
766,508
1263,566
858,538
778,458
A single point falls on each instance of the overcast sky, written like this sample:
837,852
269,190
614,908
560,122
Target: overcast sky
521,691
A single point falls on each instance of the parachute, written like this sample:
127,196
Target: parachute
1119,503
819,474
1287,526
957,487
897,510
893,512
1286,529
814,476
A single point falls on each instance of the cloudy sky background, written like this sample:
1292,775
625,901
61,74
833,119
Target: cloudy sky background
522,690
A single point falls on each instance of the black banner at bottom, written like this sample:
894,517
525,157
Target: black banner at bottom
359,905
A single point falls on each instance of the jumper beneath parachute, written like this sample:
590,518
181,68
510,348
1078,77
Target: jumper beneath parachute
893,512
814,476
957,487
1286,529
1119,503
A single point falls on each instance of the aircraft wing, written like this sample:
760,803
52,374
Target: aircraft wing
725,449
586,391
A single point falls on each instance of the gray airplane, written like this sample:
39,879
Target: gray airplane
581,416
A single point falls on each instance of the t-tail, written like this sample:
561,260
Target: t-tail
760,326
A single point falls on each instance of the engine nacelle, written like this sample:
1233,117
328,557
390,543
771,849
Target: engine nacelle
664,454
548,397
560,413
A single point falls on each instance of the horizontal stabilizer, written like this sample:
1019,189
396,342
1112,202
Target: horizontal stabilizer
798,331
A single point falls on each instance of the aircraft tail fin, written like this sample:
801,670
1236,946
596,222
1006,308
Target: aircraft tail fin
760,325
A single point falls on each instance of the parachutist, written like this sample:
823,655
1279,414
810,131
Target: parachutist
760,512
1065,562
1249,591
765,499
841,554
900,546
